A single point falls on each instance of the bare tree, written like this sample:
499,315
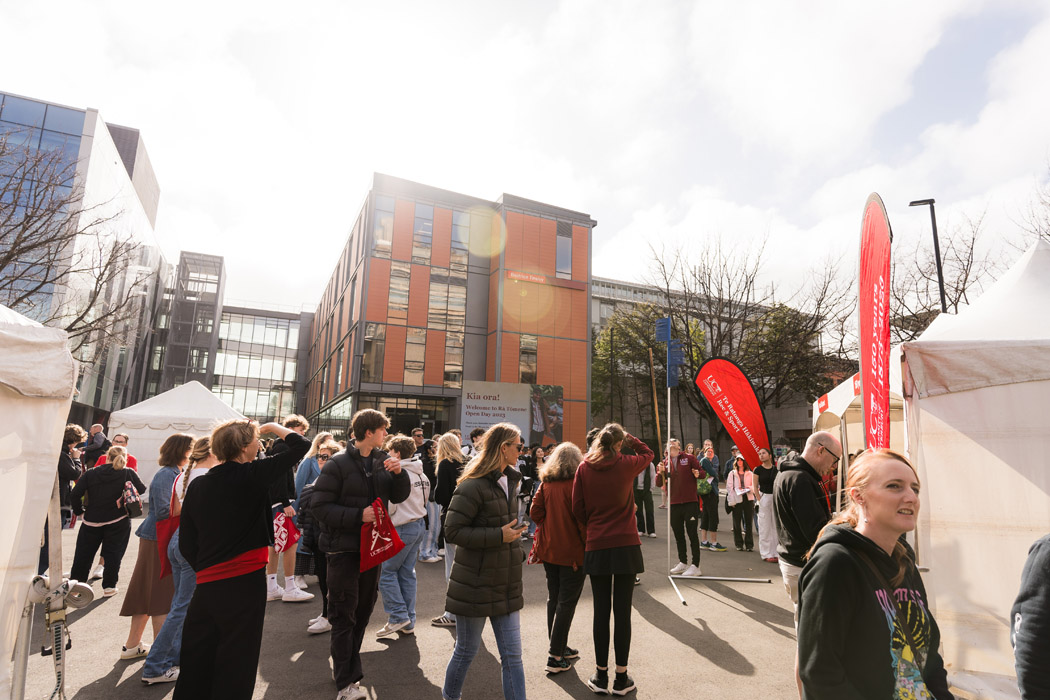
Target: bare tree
62,263
1036,221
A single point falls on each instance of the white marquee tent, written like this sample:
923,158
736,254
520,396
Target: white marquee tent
189,408
37,380
976,387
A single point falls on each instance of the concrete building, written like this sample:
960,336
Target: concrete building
436,288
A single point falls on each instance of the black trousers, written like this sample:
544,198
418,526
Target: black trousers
684,519
113,539
352,594
744,515
221,639
321,570
643,500
709,517
612,600
564,587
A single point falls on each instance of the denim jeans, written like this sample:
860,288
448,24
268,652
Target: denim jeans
168,645
397,581
430,539
507,629
450,556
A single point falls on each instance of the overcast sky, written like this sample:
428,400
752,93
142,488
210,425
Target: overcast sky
668,122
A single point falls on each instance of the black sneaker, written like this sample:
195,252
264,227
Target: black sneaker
570,653
623,684
599,682
557,665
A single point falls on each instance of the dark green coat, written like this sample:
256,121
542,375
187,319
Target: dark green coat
486,573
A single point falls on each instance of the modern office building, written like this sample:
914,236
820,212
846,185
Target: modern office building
435,289
108,169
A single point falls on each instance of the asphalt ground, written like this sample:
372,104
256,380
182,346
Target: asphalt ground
731,640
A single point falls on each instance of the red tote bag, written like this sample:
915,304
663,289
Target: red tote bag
379,540
285,533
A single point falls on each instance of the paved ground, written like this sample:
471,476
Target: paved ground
732,640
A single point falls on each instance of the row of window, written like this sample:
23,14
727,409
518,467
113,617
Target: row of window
261,330
252,366
447,302
258,404
19,110
422,232
415,356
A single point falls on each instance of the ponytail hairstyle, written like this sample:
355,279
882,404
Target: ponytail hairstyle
198,453
861,475
488,458
602,446
117,457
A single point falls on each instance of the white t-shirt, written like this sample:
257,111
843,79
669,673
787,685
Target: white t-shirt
177,486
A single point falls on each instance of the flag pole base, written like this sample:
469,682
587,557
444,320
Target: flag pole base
675,587
714,578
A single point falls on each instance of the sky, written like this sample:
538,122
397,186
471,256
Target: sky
670,123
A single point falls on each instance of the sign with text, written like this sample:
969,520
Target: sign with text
526,277
874,309
536,409
733,400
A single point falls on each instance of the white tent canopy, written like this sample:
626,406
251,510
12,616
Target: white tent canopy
189,408
976,387
37,379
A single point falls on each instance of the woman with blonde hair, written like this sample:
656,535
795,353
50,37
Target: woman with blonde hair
450,466
306,473
162,662
559,545
865,629
486,575
105,522
603,502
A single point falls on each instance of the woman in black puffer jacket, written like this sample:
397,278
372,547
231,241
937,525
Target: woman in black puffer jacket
486,575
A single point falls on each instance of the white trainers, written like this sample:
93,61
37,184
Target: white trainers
679,567
135,652
294,595
97,573
391,629
319,625
652,534
351,692
169,676
693,570
300,583
109,592
274,594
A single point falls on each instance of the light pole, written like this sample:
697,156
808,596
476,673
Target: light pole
936,247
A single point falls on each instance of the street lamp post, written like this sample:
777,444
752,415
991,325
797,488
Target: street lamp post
936,247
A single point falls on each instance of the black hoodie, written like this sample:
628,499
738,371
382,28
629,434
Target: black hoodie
849,639
800,510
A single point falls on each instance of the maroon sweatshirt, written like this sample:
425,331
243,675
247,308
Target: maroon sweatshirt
683,483
603,497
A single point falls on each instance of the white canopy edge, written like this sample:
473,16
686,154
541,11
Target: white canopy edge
946,366
36,361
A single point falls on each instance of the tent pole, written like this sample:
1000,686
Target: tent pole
843,457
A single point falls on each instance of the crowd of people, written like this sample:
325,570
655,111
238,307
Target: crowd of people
228,513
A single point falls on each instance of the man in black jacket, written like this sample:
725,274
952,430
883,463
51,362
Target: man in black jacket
800,508
342,502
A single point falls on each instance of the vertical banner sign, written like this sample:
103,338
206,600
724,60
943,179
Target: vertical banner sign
874,307
731,396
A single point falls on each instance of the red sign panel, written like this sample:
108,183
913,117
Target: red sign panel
733,400
856,384
822,403
526,277
874,306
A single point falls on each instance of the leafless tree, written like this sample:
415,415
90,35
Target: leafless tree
62,263
1036,221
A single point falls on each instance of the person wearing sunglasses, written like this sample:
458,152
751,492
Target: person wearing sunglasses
306,473
324,451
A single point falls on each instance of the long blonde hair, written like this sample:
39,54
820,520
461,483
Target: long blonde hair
117,457
602,446
319,439
198,453
450,449
489,459
861,474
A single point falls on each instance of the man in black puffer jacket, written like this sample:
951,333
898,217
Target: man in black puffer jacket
342,499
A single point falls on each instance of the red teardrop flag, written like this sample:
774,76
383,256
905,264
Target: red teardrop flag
874,308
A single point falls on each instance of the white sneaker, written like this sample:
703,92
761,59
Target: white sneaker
97,573
319,626
652,534
274,594
441,552
679,567
169,676
390,629
641,534
294,595
300,583
693,570
134,653
431,560
109,592
351,692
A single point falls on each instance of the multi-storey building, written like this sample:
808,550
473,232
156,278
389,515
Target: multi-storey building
436,288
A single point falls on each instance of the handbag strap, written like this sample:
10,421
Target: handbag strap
898,613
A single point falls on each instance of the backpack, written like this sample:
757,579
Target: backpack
131,501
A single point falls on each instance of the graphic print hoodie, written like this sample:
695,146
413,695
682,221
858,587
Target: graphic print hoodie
850,642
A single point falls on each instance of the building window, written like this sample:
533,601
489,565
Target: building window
372,360
205,321
607,310
437,309
339,370
383,226
198,360
397,310
158,358
422,234
527,360
457,303
563,262
454,360
460,238
415,355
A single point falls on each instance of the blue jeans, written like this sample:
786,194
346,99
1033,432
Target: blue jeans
397,580
507,629
430,539
168,645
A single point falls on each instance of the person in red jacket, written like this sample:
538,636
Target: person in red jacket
684,470
559,545
603,502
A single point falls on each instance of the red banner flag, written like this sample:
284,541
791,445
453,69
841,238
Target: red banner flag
874,307
733,399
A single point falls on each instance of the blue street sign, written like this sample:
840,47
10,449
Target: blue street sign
663,330
675,359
